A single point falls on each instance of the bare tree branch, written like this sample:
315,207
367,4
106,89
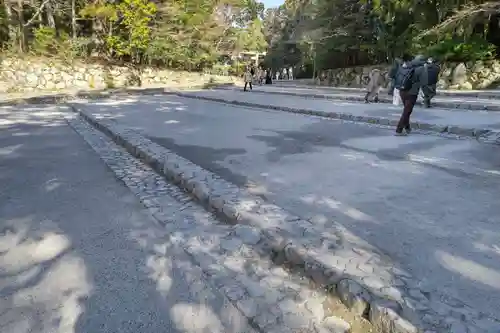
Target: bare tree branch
467,14
37,13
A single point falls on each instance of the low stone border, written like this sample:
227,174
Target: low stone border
383,99
63,97
409,313
486,94
234,258
477,133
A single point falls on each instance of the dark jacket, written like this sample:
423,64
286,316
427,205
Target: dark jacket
394,69
419,77
433,70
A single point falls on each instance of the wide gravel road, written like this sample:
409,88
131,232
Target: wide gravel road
430,203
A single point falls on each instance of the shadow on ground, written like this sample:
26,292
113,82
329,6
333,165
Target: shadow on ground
470,264
78,253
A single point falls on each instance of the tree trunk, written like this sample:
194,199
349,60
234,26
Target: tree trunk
493,35
10,22
50,15
21,30
73,18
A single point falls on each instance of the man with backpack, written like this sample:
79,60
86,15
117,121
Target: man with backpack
411,76
429,90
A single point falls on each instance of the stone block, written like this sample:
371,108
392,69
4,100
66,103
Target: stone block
247,234
353,296
335,325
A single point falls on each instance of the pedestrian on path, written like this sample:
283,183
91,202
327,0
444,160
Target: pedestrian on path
374,85
429,90
411,76
269,77
248,77
262,75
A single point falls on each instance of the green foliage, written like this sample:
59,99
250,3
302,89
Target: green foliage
458,50
134,17
185,34
335,33
252,38
45,40
48,41
109,81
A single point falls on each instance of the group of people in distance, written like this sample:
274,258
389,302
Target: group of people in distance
409,77
259,74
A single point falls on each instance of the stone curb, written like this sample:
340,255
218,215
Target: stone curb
479,94
65,97
291,305
384,99
238,206
477,133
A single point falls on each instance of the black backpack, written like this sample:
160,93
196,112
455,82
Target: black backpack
432,73
404,78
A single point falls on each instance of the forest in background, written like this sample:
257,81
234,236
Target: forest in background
187,34
197,34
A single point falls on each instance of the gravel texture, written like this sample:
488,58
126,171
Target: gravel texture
234,258
366,282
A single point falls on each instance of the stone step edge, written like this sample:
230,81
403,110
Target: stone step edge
385,314
477,133
210,273
457,93
385,100
63,97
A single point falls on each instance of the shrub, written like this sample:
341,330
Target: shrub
457,50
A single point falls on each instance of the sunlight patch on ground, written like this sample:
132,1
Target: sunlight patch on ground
52,185
333,204
352,156
9,150
451,164
469,269
161,269
164,109
32,252
45,282
194,318
116,102
492,249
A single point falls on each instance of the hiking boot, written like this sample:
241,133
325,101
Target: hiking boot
400,133
408,130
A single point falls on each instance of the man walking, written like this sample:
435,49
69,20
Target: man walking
411,76
248,77
429,90
374,85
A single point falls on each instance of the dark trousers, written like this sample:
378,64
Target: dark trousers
390,88
249,84
372,92
408,104
429,93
